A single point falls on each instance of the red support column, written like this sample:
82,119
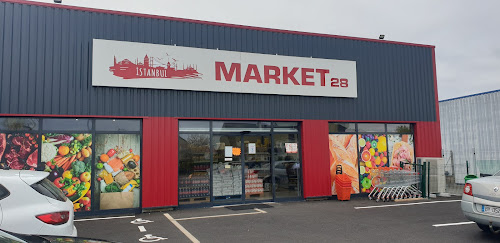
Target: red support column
315,158
160,162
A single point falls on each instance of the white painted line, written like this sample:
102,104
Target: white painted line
452,224
259,211
406,204
119,217
182,229
142,228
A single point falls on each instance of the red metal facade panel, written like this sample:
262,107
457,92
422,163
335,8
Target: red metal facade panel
428,139
428,134
160,168
315,160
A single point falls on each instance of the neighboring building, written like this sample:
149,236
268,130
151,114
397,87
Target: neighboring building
149,112
469,131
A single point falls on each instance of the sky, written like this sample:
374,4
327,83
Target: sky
466,33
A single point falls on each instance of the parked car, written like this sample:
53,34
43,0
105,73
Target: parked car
20,238
31,204
285,174
481,202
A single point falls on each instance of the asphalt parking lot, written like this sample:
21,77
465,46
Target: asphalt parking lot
437,220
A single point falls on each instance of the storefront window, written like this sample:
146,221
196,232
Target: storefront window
18,124
373,155
194,168
401,151
120,125
342,127
287,172
344,159
118,170
194,126
67,124
241,126
67,158
19,151
286,126
399,128
371,128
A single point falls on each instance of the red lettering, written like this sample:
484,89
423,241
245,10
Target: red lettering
268,75
290,75
235,68
256,74
305,76
322,73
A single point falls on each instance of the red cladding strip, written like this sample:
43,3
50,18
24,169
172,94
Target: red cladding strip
61,6
160,167
315,158
428,134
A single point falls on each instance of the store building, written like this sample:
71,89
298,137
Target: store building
148,112
469,124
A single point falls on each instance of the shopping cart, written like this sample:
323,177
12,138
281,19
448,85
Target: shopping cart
394,183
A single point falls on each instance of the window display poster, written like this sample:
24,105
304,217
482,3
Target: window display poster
67,158
251,148
228,151
19,151
401,151
344,153
291,148
373,154
118,170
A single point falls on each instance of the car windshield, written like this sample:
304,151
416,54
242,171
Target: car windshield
47,188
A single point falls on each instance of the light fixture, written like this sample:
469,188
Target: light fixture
58,1
76,119
381,37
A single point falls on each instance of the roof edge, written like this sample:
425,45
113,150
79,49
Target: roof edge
115,12
472,95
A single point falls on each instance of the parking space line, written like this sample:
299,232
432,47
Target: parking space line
406,204
259,211
142,228
119,217
453,224
182,229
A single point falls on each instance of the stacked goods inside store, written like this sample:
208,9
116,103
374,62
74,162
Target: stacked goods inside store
226,181
194,186
343,187
253,185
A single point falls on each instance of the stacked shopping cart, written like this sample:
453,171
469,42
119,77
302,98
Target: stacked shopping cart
394,183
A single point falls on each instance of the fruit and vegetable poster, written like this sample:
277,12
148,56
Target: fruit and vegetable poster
373,154
68,159
118,170
19,151
401,151
344,153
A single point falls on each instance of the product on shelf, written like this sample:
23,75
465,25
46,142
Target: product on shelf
253,185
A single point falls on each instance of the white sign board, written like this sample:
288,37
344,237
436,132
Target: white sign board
140,65
251,148
228,151
291,148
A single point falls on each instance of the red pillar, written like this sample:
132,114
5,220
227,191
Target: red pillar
160,162
315,158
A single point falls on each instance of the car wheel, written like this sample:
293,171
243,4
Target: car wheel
486,228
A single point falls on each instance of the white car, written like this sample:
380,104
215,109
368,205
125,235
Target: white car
31,204
481,202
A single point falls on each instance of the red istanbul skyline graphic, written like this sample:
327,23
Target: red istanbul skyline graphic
152,68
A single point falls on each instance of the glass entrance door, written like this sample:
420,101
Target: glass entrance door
241,173
227,169
257,163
